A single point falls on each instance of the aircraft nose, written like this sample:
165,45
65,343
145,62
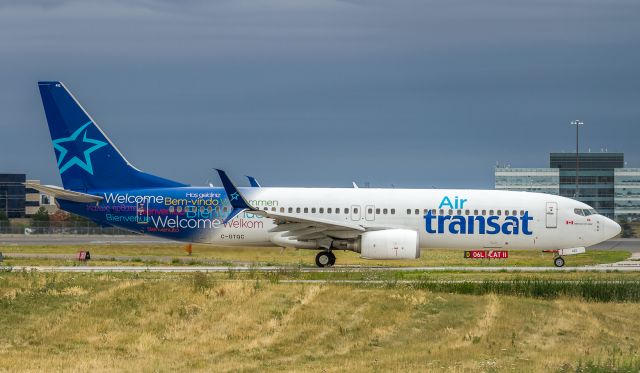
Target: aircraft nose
612,228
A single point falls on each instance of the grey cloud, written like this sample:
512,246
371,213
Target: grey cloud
415,93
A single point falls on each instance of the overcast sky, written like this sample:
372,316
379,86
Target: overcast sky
320,93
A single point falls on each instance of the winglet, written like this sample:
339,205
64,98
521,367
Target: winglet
253,182
237,200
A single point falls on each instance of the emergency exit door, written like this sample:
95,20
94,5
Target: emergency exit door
370,212
551,215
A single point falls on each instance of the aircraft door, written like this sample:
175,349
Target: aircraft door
551,215
355,212
142,213
370,213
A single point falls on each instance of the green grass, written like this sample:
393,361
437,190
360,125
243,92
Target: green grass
157,322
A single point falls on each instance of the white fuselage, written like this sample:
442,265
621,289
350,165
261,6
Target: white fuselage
443,218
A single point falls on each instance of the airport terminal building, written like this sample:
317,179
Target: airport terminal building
603,181
18,201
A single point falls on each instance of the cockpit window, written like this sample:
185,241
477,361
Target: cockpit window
585,212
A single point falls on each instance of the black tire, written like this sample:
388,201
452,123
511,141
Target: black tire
559,262
323,259
332,258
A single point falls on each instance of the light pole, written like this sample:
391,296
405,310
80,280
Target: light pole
577,123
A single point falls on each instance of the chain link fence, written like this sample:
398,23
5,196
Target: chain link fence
60,228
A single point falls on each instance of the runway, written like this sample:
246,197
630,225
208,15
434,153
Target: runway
267,269
628,244
631,265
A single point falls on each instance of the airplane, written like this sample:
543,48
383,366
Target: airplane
100,184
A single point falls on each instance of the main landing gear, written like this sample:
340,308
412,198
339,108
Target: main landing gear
325,259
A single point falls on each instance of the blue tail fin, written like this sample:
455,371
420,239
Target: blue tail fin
87,159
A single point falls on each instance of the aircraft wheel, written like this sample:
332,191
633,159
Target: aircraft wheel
323,259
559,262
332,258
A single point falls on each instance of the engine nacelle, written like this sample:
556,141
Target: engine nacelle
390,244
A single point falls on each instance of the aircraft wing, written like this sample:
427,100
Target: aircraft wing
61,193
292,226
304,229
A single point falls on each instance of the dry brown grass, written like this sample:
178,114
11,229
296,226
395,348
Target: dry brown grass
187,323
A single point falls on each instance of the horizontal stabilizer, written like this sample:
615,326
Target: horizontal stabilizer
60,193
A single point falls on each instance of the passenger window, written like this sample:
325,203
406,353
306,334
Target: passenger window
290,209
484,212
408,211
306,210
273,209
441,212
393,211
418,212
171,209
426,210
475,212
450,212
355,210
459,212
201,208
179,208
298,209
346,210
313,210
209,208
369,211
281,209
384,211
377,211
490,212
266,209
322,210
521,212
467,212
224,209
329,210
499,212
337,210
515,213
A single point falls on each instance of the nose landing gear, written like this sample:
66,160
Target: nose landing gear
558,261
325,259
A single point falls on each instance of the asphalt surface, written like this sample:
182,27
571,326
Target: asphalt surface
181,269
80,239
631,265
629,244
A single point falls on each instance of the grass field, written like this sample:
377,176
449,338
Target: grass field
155,322
143,253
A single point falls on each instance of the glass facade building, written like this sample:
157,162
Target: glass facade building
603,182
12,195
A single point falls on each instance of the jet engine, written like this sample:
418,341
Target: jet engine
389,244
